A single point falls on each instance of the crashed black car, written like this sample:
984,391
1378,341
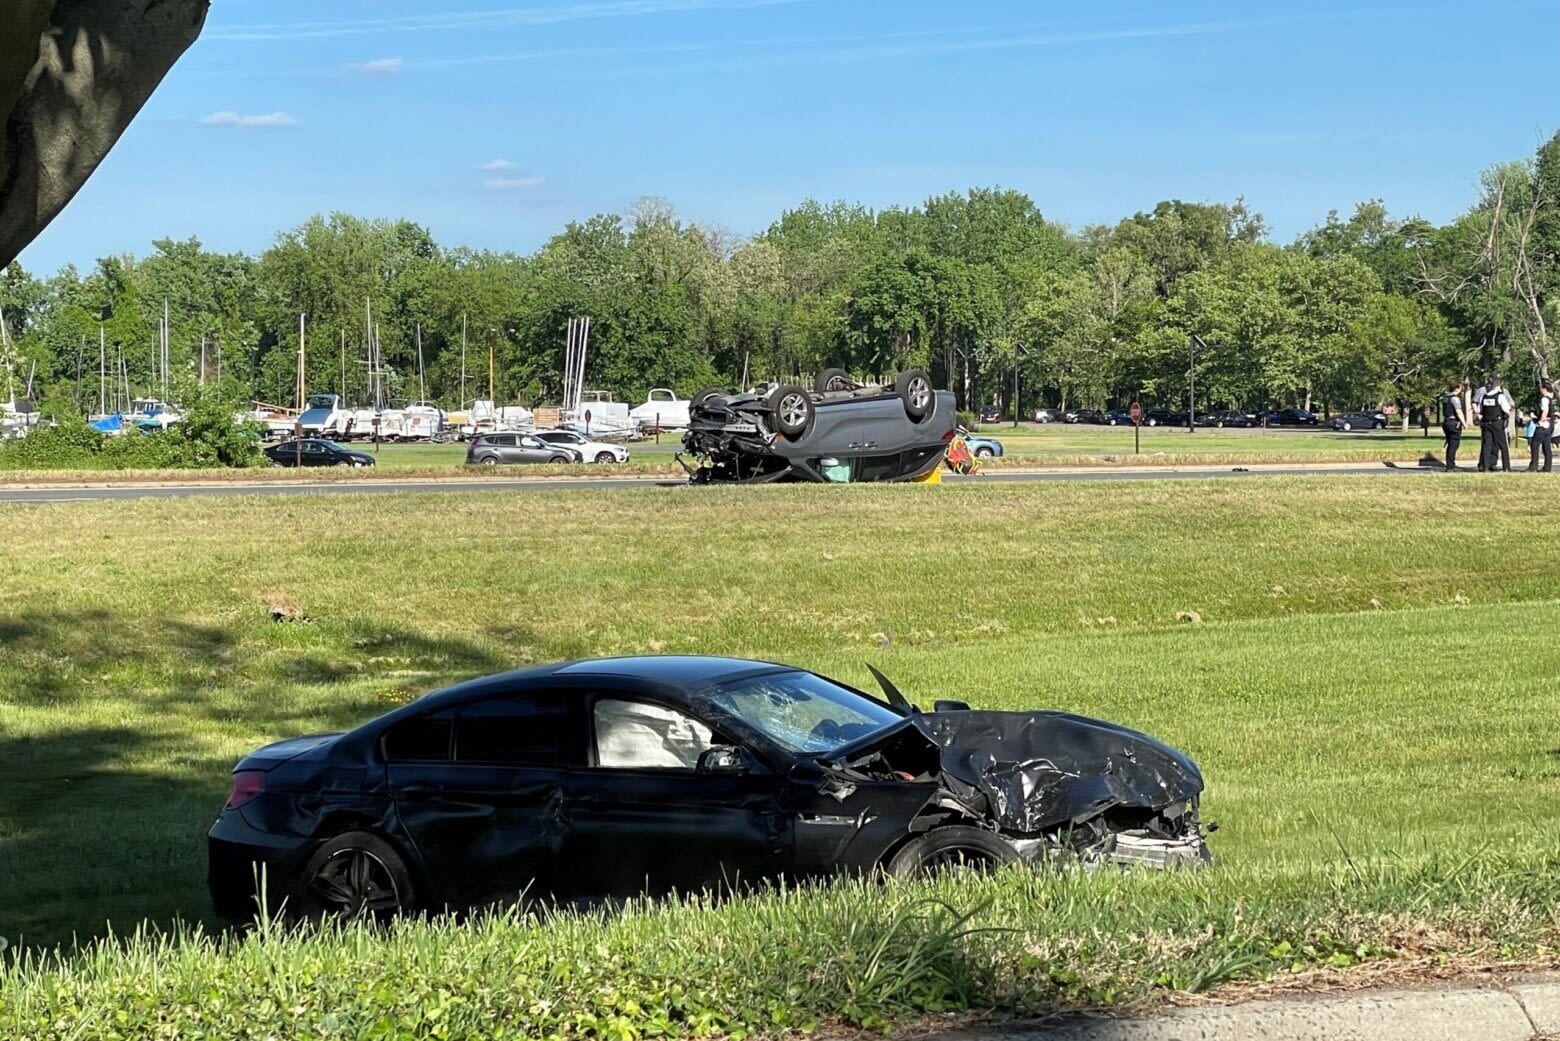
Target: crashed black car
621,776
841,430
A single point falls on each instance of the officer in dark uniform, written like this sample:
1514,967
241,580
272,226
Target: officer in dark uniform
1453,419
1493,406
1543,428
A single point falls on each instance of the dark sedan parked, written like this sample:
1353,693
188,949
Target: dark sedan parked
1291,417
1360,421
494,449
1083,415
1118,418
1163,417
617,776
1227,418
311,451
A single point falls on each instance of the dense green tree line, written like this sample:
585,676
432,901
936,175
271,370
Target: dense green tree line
1363,310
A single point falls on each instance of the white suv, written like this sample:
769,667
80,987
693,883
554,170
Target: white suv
592,451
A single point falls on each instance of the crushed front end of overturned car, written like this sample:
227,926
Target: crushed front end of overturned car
840,431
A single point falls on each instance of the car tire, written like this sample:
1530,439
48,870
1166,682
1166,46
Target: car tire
1219,424
953,846
489,460
560,459
984,453
792,410
832,380
354,874
914,387
1112,422
1347,426
704,395
605,457
1153,422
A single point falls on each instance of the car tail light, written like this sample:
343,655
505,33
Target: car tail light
246,785
948,436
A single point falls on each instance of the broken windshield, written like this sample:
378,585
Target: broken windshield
801,712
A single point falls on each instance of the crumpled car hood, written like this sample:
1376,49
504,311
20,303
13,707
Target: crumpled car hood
1037,770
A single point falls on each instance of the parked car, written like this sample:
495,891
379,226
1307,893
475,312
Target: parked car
619,776
990,414
1164,417
1118,417
981,447
1083,415
1227,418
1290,417
590,451
497,449
839,431
1048,415
315,451
1359,421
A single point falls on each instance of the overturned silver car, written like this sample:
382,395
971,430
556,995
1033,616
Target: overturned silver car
840,431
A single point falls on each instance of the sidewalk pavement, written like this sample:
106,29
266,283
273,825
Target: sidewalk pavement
1519,1009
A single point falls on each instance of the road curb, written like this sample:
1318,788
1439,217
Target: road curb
1519,1010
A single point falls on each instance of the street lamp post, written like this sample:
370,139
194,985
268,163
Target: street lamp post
1193,341
1018,355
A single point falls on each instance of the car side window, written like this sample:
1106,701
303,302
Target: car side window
640,735
421,739
523,729
530,442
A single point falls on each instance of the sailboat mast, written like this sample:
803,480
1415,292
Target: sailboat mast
301,324
167,353
102,372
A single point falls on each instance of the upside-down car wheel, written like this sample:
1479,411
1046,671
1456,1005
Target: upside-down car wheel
704,395
832,380
914,387
792,410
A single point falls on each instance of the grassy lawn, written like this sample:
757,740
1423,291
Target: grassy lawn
1057,442
1370,690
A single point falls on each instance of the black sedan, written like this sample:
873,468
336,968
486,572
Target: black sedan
315,451
618,776
1226,418
1291,417
1118,417
990,414
1359,421
1083,415
1164,417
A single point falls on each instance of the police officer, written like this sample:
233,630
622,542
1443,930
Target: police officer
1543,428
1453,419
1494,407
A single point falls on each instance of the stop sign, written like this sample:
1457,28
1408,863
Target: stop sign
1136,412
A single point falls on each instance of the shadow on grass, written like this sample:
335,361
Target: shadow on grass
125,730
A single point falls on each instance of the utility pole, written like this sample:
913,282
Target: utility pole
1018,355
1192,343
461,405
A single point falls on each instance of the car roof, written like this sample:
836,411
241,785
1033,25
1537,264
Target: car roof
685,669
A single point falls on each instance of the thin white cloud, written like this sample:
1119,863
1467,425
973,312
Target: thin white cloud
233,119
483,20
379,68
513,184
497,166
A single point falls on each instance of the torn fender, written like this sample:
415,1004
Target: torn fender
1038,770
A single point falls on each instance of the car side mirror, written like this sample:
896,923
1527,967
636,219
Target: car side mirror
950,705
723,761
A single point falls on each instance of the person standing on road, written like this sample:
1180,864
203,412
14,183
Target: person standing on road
1453,420
1494,408
1543,428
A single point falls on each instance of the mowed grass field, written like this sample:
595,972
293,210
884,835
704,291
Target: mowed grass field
1366,670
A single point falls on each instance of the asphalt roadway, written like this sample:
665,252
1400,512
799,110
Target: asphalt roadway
85,493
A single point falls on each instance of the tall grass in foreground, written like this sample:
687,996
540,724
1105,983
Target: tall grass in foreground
856,953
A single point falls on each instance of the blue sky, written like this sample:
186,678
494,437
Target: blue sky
494,122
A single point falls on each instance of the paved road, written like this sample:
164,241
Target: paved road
374,487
